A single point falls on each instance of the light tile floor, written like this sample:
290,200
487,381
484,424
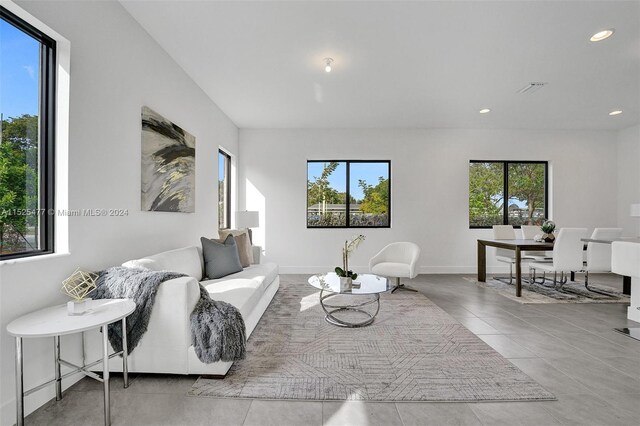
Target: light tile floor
570,349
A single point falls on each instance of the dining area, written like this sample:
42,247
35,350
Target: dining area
550,260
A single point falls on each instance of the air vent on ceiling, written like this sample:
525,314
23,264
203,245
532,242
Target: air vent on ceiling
532,87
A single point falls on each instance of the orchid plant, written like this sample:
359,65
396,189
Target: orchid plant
349,247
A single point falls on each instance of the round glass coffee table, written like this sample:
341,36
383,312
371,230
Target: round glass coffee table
367,285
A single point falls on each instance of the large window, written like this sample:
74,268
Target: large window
27,97
348,194
224,190
507,193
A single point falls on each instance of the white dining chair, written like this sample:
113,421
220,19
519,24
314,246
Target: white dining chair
396,260
625,260
599,254
529,232
505,232
567,256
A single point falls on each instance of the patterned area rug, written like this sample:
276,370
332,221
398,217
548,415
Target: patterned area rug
573,292
414,351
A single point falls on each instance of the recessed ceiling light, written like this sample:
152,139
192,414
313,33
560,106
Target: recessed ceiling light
327,64
484,110
616,112
602,35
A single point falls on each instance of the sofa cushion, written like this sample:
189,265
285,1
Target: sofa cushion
224,233
391,269
244,294
245,252
185,260
220,259
263,274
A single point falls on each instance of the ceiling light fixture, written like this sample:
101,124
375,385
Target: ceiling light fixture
484,110
602,35
327,64
616,112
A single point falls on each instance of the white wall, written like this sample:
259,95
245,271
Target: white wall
116,68
628,179
429,188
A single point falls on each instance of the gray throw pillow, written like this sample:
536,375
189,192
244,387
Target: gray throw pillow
220,259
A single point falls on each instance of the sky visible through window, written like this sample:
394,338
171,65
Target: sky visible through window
369,172
221,159
20,58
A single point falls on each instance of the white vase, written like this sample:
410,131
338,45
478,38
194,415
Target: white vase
346,283
77,307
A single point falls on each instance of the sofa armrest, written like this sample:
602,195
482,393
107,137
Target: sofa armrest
257,254
168,333
170,317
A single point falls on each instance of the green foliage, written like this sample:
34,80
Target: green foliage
373,209
485,194
376,198
342,273
526,183
18,181
320,191
548,227
486,198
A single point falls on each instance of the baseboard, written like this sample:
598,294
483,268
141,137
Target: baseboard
34,401
471,270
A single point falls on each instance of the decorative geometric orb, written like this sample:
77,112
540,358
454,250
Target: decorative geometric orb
79,284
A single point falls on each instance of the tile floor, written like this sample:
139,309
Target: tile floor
571,350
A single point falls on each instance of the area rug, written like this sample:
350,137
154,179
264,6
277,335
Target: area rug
573,292
414,351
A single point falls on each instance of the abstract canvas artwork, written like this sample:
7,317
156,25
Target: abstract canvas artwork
168,165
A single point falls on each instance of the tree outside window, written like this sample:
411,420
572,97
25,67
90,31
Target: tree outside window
27,78
348,194
507,193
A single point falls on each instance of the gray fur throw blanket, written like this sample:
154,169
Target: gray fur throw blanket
217,328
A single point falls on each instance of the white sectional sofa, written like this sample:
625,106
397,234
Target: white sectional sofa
166,346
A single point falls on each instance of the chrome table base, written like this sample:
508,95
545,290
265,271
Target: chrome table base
20,393
330,310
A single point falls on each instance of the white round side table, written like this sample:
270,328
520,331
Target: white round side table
55,322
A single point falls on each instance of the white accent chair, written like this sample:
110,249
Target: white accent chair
567,256
599,254
397,260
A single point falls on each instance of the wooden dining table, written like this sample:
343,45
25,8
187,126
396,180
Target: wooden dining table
516,245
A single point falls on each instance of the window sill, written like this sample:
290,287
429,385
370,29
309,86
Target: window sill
30,259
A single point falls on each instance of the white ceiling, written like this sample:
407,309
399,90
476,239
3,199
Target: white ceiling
406,64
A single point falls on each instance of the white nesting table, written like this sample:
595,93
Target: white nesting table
55,322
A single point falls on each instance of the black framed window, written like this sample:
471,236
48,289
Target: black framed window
224,190
507,193
27,112
348,194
